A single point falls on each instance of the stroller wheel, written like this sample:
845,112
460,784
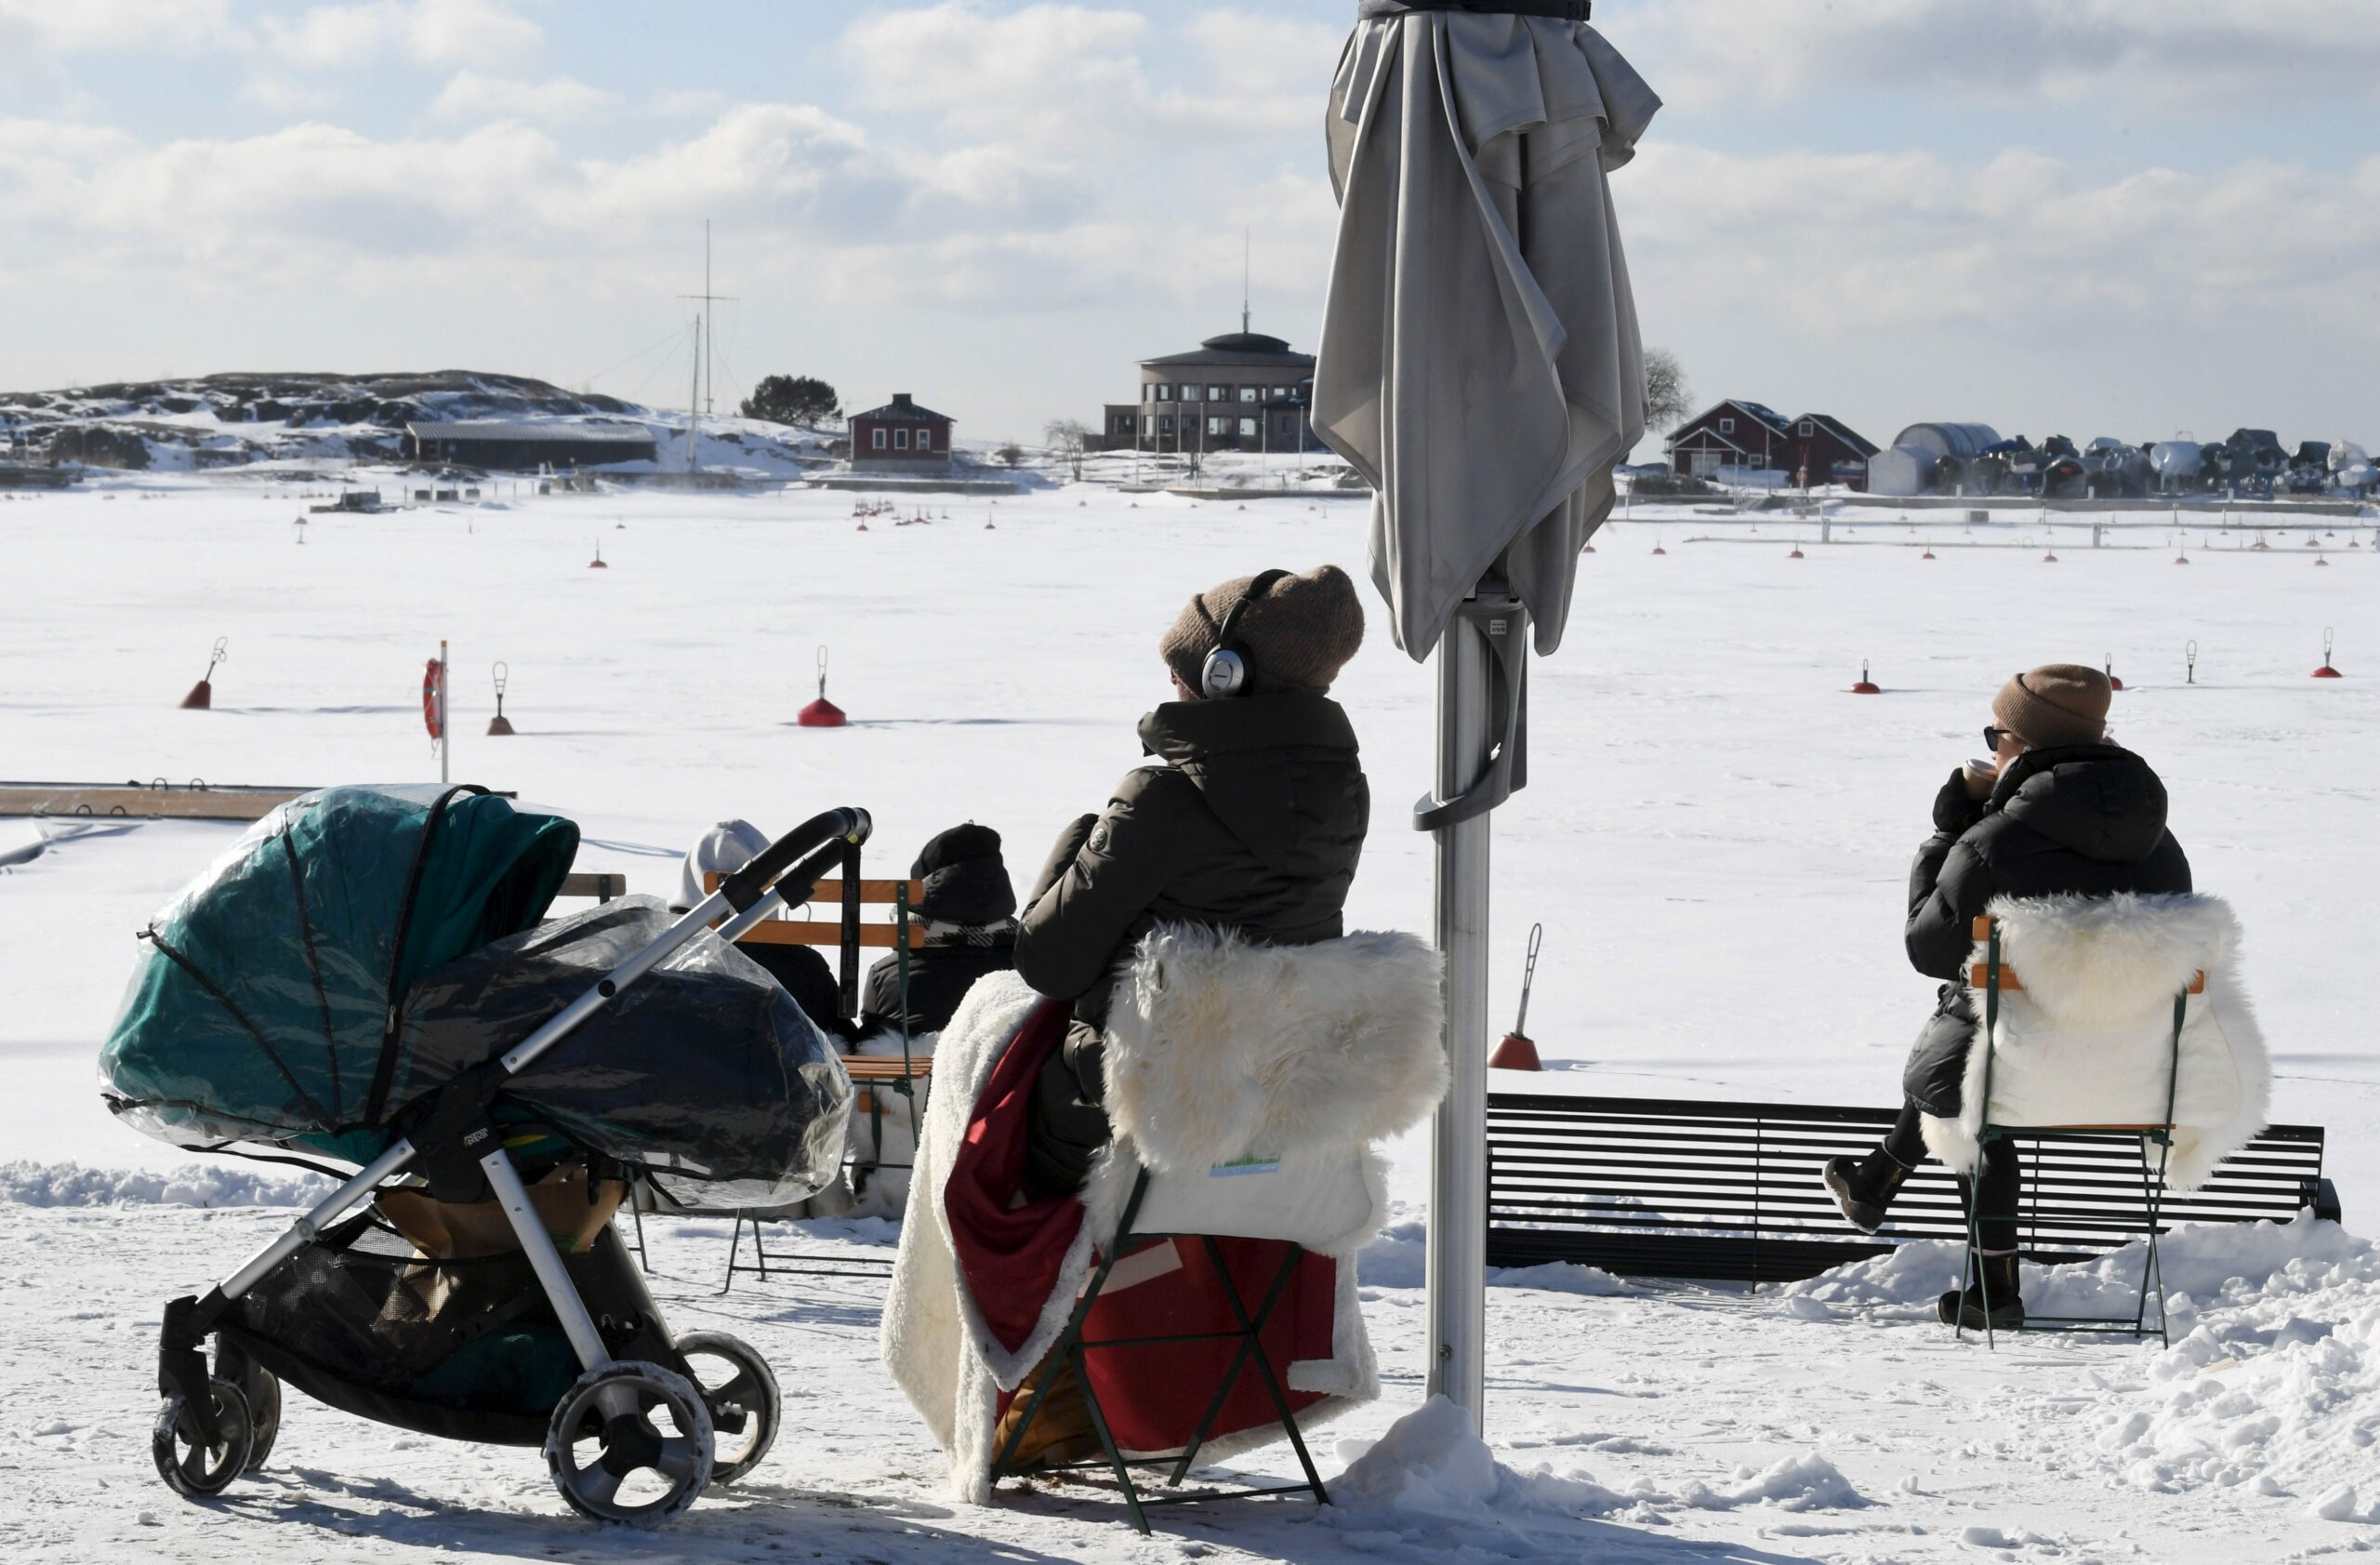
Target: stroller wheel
262,1388
740,1392
631,1444
191,1465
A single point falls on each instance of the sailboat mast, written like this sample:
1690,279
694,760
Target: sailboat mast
694,394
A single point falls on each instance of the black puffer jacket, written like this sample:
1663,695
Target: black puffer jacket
2086,819
1256,824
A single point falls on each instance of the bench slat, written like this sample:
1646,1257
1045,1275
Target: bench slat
789,932
872,892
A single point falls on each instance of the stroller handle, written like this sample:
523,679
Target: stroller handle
745,887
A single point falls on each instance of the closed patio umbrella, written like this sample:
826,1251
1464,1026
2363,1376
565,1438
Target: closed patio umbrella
1480,366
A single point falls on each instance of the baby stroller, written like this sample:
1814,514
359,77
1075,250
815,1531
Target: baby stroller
365,976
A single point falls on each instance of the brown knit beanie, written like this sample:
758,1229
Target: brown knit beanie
2056,704
1299,635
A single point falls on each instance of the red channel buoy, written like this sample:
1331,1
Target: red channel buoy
2049,559
1796,554
202,694
2113,682
1658,550
1866,685
2326,672
1927,555
500,726
821,714
1515,1052
597,562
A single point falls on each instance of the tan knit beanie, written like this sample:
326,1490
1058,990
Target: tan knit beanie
1299,635
2056,704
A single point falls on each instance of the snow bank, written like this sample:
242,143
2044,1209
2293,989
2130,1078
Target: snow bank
31,1184
2272,1384
1431,1480
1399,1258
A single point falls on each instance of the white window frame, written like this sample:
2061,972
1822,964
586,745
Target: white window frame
901,438
877,441
925,438
1219,393
1251,393
1727,426
1809,429
1248,428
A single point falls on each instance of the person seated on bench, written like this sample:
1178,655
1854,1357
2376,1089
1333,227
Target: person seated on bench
1252,819
805,973
2055,809
969,911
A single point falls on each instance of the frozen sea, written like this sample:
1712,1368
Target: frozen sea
1716,837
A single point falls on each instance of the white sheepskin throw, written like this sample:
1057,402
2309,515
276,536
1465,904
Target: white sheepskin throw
1195,1036
1218,1049
2088,1040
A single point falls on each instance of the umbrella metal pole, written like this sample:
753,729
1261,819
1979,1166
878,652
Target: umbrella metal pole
1458,1249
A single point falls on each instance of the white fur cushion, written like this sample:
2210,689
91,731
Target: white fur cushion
1218,1048
2088,1040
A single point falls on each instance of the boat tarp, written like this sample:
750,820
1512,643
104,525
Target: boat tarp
268,994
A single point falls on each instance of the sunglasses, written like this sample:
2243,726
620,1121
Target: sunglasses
1991,737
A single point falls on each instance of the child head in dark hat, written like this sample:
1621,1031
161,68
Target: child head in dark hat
1298,635
965,880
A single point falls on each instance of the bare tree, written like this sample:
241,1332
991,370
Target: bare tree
1069,438
1669,401
1011,454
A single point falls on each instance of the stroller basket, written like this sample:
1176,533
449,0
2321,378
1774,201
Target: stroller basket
464,1349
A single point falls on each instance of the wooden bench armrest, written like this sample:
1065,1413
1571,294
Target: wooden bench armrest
1981,929
603,885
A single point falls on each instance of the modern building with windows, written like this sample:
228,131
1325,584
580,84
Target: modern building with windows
900,437
1240,391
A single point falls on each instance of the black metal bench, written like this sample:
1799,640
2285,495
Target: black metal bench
1731,1191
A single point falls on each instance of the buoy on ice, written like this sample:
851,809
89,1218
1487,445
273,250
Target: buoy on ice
1866,685
202,694
821,714
1517,1051
1927,555
1796,554
597,562
2326,672
2113,682
499,725
2050,559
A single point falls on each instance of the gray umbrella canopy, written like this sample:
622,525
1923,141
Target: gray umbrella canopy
1480,362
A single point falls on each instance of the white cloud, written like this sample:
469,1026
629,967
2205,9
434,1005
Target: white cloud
426,31
472,96
2203,56
81,26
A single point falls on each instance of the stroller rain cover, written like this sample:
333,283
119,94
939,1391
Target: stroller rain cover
359,945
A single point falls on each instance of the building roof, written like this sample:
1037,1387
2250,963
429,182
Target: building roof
1843,432
1701,423
551,430
902,410
1236,348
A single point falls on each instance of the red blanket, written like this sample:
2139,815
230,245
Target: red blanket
1012,1253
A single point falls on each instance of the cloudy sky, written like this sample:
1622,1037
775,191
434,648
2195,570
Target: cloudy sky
2126,217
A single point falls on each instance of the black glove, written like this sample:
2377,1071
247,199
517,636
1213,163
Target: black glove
1954,808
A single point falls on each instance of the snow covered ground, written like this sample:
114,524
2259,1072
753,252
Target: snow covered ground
1715,838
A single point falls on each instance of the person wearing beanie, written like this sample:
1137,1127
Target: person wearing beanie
968,913
1249,818
2056,809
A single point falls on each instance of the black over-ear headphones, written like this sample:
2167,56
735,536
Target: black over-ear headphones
1228,670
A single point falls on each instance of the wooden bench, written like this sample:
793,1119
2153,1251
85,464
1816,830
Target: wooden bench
1730,1190
886,1082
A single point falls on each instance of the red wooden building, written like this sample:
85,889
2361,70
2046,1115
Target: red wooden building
900,434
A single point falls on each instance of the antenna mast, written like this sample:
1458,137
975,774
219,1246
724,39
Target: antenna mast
698,400
1247,259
